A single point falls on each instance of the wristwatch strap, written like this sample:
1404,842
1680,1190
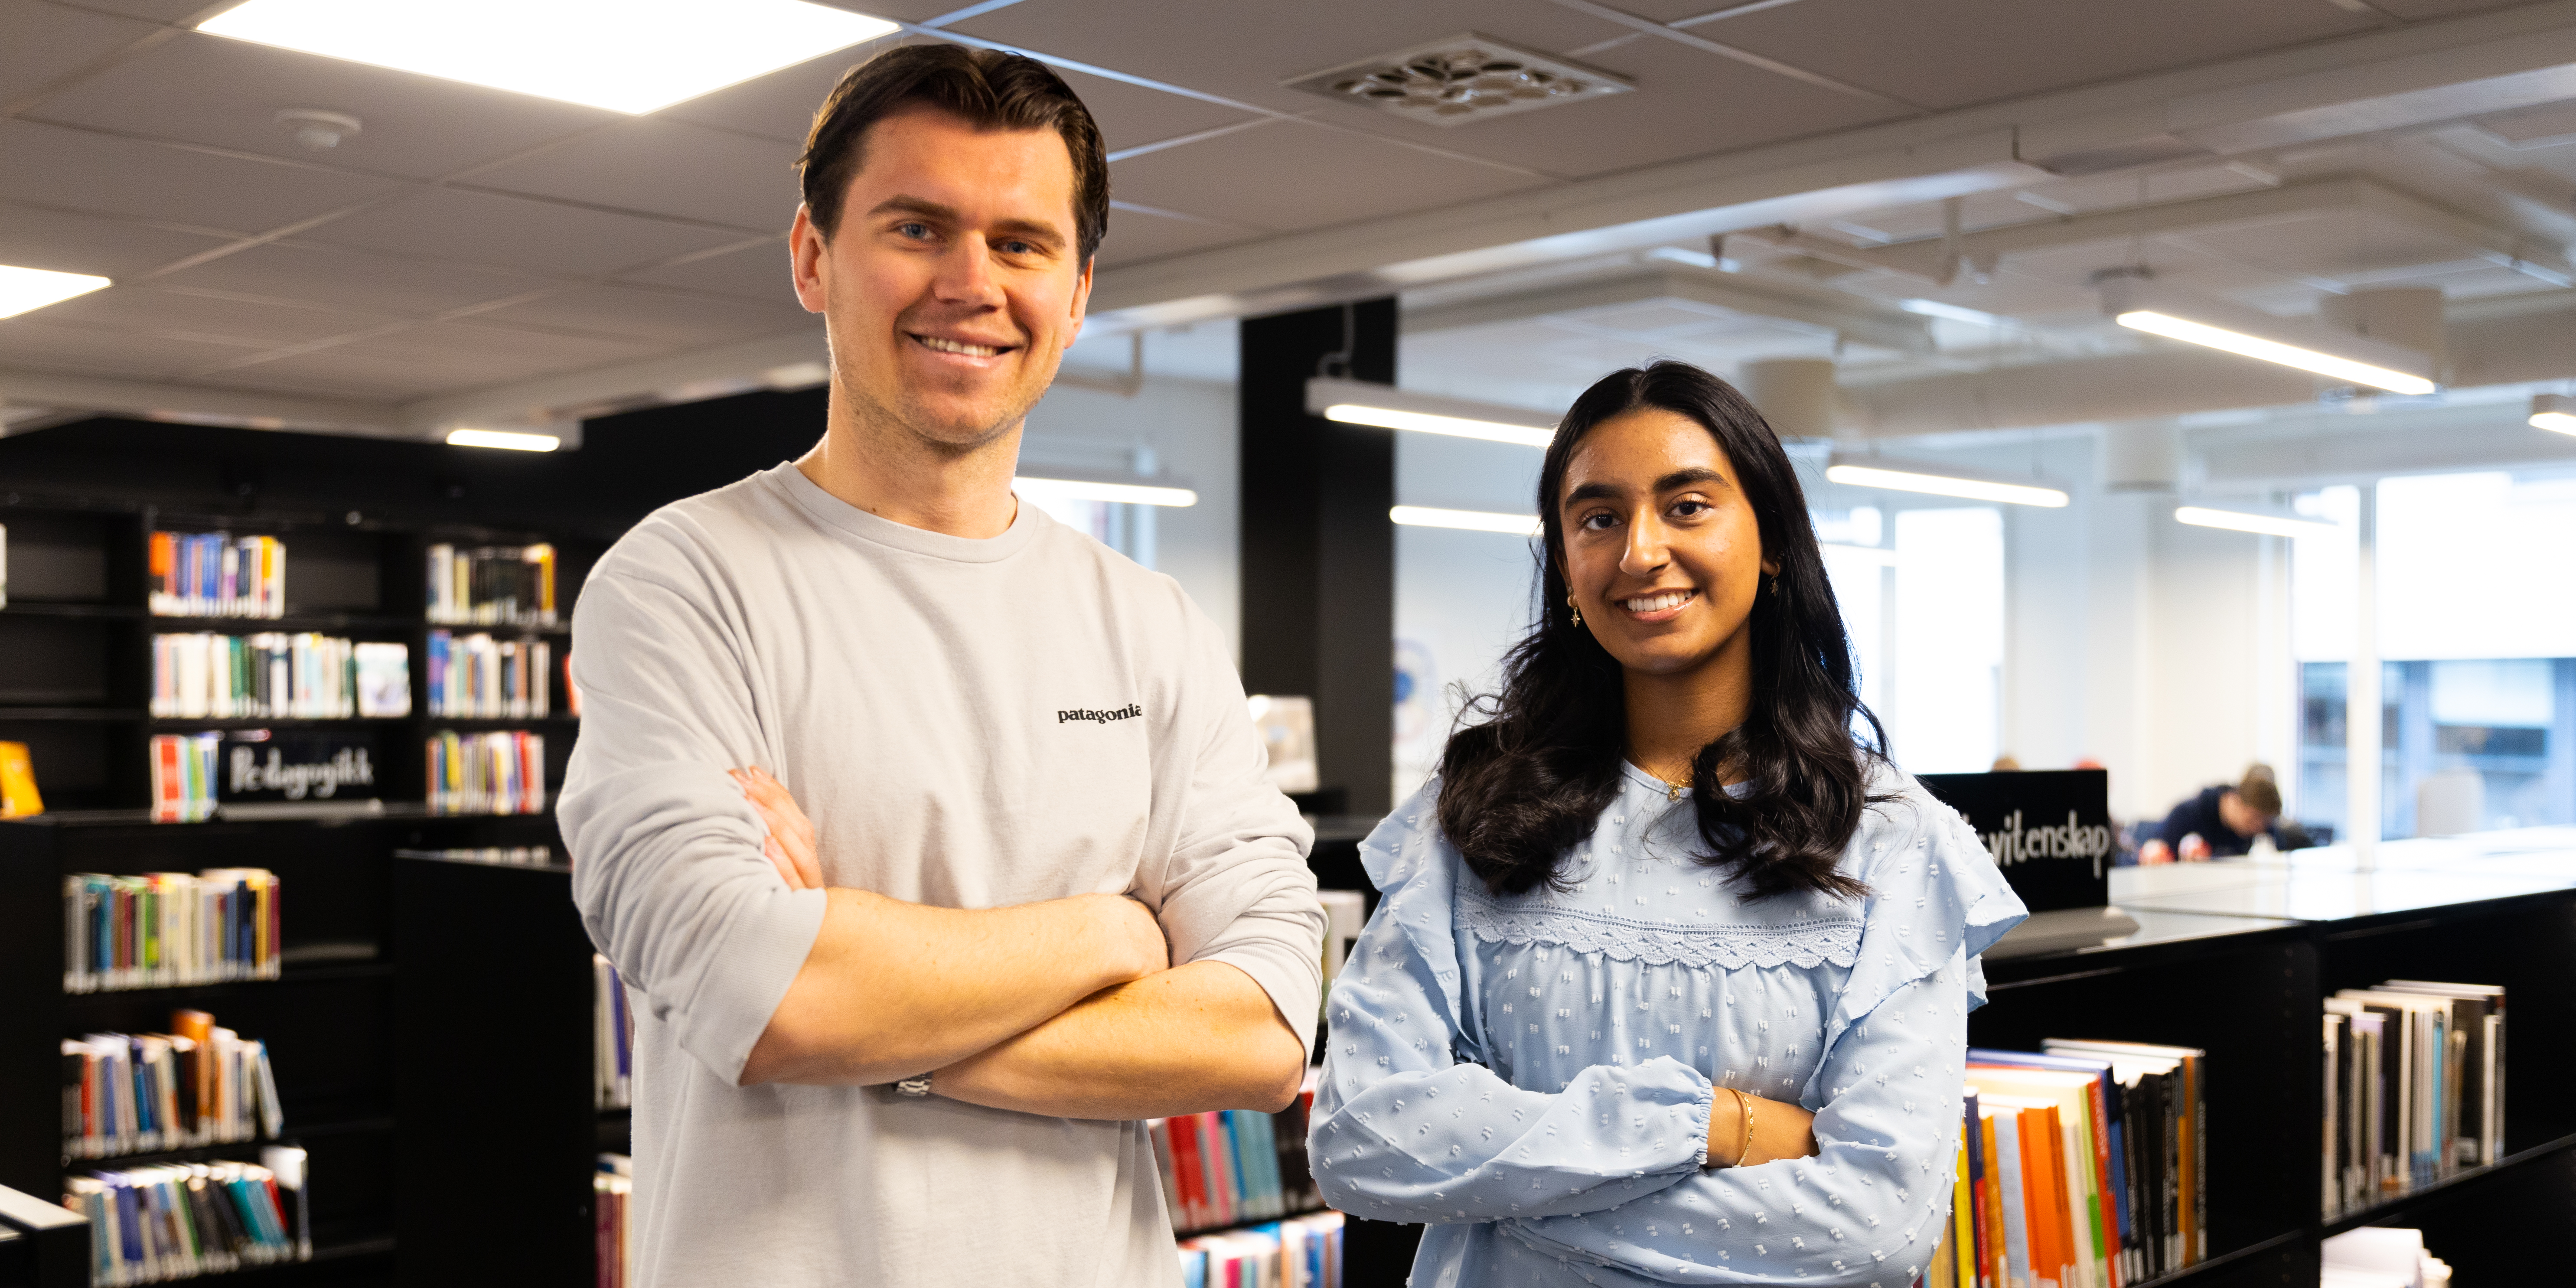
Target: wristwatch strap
918,1086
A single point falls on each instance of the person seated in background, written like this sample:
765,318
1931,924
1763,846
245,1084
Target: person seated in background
2220,822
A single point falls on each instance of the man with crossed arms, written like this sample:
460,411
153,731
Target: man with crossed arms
1046,890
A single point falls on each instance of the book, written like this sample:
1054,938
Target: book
1226,1167
179,1220
2414,1089
477,676
491,585
1299,1252
165,928
275,675
18,795
612,1186
500,772
612,1037
215,574
2177,1080
193,1086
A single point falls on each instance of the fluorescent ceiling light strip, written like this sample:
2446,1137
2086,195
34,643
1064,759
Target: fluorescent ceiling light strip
2265,524
1122,493
1866,554
24,290
1909,480
1423,516
2548,411
1426,423
2288,355
628,56
503,439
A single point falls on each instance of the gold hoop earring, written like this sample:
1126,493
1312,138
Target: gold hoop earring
1578,609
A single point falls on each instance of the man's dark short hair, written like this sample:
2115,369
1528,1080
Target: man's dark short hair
989,89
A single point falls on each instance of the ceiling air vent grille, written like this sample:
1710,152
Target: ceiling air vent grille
1462,78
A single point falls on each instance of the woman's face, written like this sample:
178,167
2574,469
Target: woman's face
1662,549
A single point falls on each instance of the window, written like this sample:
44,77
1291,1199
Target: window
1946,650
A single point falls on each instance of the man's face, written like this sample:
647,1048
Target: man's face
2241,818
952,285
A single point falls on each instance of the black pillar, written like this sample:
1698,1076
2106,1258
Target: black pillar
1318,551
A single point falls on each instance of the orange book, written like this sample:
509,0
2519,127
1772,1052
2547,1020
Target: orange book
1995,1273
2043,1181
18,798
199,1027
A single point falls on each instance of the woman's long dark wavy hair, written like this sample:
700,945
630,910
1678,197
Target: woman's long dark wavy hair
1520,789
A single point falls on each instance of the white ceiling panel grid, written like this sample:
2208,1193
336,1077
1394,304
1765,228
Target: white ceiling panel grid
70,169
511,232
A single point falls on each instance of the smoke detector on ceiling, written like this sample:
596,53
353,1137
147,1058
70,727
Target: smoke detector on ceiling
318,129
1463,78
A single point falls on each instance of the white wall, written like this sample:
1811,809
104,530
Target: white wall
1189,427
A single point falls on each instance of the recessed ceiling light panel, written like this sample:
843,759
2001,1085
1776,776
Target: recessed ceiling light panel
24,290
623,55
1460,79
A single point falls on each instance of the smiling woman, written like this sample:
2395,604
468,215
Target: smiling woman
1670,979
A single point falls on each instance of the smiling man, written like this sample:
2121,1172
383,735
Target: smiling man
905,1042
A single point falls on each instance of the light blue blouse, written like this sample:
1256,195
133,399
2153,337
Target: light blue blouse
1531,1075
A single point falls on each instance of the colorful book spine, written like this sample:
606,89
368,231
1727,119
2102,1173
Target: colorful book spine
500,772
168,928
1234,1166
180,1220
215,574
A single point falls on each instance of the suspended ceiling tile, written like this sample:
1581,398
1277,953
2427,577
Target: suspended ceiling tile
333,374
1974,51
757,272
2420,10
745,182
76,169
656,316
781,105
42,43
353,279
29,341
1688,103
149,309
68,243
2329,244
453,355
1244,54
1139,235
227,93
1288,175
512,232
158,11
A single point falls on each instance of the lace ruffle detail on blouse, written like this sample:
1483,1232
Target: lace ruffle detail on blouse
1805,944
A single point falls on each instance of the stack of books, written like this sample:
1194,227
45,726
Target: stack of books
478,677
165,928
2414,1088
215,574
277,676
1300,1252
502,772
194,1085
612,1189
183,776
179,1220
612,1033
2083,1166
1234,1166
492,585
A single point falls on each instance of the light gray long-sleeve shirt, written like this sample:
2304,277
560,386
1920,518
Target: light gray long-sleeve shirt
970,724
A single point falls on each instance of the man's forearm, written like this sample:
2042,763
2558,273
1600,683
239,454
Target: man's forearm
1197,1037
892,989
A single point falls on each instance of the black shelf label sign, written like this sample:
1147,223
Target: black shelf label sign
2049,830
284,765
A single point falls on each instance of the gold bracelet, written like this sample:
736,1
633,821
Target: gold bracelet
1744,1150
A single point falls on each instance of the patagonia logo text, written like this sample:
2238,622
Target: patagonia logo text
1129,712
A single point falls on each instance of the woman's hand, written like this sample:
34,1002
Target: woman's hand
1780,1130
790,846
